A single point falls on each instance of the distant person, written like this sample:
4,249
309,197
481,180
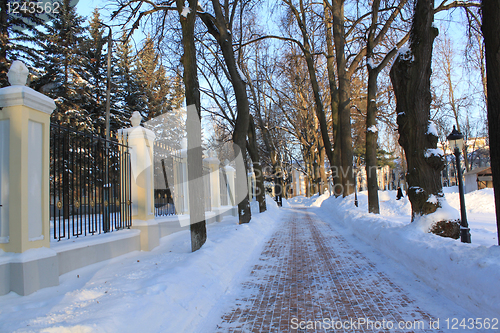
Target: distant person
400,193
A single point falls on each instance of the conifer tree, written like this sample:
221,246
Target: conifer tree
95,71
63,68
19,39
154,82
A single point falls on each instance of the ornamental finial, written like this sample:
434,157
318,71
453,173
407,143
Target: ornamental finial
136,119
18,73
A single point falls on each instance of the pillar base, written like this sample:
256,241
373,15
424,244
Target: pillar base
150,233
27,272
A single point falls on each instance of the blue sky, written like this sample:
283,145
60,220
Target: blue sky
445,21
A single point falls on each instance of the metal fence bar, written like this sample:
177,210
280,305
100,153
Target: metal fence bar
206,186
80,195
223,186
166,161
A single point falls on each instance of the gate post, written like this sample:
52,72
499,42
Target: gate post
231,188
140,143
24,185
213,164
183,169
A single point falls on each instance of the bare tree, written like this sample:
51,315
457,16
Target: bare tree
371,110
133,12
193,127
410,76
220,27
446,67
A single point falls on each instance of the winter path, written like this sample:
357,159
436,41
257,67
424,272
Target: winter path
314,271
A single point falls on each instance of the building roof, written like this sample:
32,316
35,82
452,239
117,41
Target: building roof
479,171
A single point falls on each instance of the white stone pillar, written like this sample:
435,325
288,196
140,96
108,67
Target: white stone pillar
184,177
231,188
24,164
251,185
24,186
213,163
140,143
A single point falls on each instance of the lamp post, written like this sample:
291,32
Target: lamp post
108,81
106,215
355,167
456,140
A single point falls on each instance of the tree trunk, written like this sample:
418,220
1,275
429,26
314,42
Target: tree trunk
320,111
344,113
193,126
491,33
410,76
371,143
371,118
254,155
322,173
218,27
266,136
334,95
4,40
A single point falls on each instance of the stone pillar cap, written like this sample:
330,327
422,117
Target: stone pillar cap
18,73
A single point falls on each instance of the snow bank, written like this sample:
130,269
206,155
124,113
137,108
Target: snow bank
481,201
465,273
313,201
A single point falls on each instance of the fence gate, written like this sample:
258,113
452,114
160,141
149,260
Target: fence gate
89,183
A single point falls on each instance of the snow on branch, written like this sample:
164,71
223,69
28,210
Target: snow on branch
405,53
185,11
370,63
433,152
240,73
432,130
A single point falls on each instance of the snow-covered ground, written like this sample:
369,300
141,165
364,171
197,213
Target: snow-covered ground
468,274
168,289
171,289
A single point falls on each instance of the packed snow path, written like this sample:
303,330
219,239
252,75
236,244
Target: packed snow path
309,273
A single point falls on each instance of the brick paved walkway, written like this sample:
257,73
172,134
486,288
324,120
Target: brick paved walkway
308,273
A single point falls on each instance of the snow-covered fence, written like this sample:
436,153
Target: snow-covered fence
167,161
28,260
223,187
24,187
171,186
89,183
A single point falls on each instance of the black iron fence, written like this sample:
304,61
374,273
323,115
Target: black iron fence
169,198
206,185
89,183
223,186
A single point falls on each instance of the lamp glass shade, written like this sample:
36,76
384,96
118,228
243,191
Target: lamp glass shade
459,143
456,139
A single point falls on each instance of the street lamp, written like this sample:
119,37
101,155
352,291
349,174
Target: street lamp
456,140
355,167
108,81
106,217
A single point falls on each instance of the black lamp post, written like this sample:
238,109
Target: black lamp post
107,195
355,167
456,140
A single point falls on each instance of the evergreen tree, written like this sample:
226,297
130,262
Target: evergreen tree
154,82
64,76
19,39
95,71
128,88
